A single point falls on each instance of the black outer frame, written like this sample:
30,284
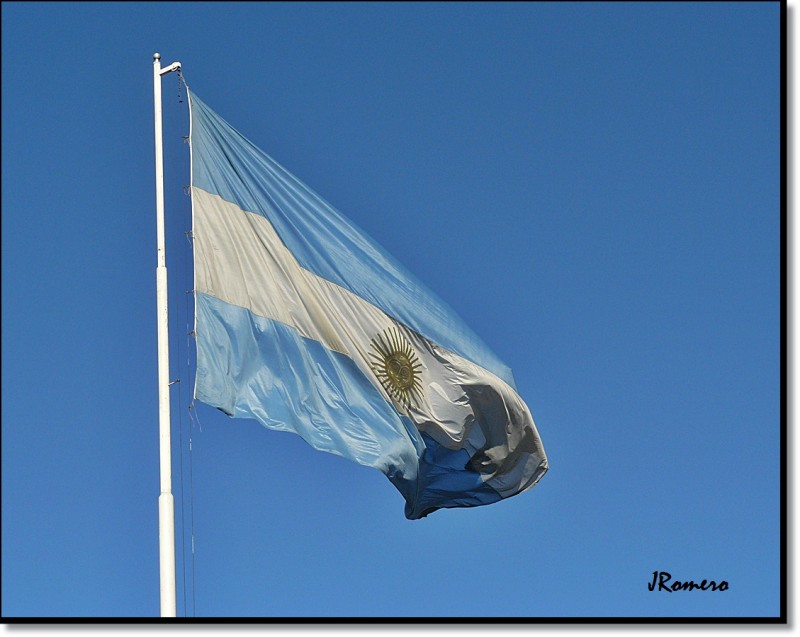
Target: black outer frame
432,621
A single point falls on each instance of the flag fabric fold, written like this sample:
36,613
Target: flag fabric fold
307,325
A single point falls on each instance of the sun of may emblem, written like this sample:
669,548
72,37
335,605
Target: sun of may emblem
396,366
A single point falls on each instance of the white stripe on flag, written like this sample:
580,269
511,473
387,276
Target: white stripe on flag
241,260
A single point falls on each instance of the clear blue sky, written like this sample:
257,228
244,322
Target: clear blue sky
593,187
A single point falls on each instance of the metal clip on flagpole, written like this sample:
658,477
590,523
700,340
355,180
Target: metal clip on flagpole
166,503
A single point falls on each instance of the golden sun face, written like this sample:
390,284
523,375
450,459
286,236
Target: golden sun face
397,367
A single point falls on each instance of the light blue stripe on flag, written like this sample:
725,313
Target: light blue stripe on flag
252,367
321,239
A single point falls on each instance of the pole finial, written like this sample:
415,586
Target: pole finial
156,56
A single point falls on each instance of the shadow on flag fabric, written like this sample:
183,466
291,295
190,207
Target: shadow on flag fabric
307,325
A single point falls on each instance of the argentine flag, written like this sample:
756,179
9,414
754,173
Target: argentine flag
307,325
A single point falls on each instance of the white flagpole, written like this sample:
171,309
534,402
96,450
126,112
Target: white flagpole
166,503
